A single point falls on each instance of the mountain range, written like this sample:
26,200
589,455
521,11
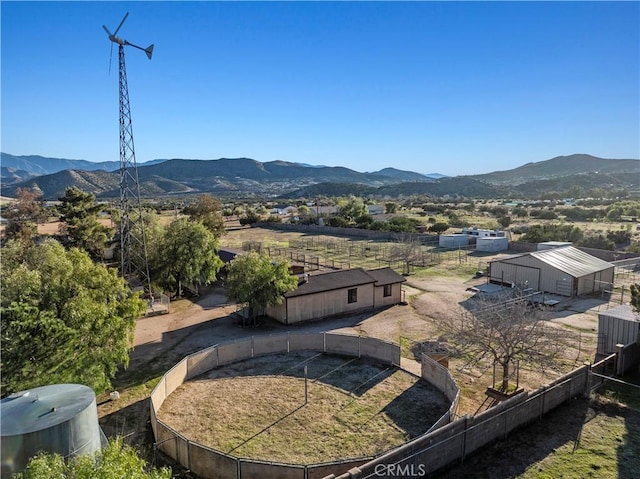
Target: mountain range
244,177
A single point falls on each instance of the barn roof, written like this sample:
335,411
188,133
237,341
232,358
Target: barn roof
384,276
572,261
346,278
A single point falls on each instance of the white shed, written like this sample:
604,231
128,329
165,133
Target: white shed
564,271
453,241
619,325
492,244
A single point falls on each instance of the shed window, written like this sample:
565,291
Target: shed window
352,295
387,290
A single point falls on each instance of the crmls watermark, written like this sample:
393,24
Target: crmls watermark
400,470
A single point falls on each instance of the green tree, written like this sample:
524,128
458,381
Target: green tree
304,210
338,222
439,227
64,318
619,237
24,215
390,208
116,460
552,232
188,254
249,218
80,226
207,210
256,280
352,208
520,212
504,221
402,224
598,241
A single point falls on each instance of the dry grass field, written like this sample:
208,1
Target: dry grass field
256,408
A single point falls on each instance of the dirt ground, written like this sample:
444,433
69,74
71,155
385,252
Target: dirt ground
161,341
260,405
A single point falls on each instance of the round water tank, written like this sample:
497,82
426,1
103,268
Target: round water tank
61,418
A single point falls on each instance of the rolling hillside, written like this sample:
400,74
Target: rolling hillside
245,177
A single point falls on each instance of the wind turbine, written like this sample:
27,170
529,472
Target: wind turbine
133,245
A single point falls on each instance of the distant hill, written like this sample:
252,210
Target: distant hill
560,166
245,177
36,165
402,175
453,187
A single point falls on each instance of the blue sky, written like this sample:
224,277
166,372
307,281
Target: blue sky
448,87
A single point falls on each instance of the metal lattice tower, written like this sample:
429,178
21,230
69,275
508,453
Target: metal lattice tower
133,244
134,266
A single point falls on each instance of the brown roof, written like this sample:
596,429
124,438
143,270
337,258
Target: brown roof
345,278
385,276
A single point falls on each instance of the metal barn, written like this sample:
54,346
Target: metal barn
619,325
565,271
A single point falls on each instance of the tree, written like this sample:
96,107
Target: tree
249,218
552,232
188,253
117,459
407,250
80,226
352,208
390,208
207,210
258,281
504,221
598,242
504,332
24,215
64,318
304,210
439,227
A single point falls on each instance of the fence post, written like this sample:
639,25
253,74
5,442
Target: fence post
464,439
619,360
587,389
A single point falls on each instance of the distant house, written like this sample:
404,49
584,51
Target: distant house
285,210
480,233
333,293
565,271
375,209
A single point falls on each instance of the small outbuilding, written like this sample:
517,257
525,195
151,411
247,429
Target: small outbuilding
326,294
492,244
455,240
565,271
619,325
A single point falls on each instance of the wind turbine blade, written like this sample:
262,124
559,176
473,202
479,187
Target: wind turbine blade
125,17
106,30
